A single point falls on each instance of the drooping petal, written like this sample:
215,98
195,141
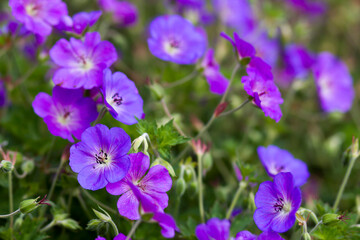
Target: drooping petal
42,104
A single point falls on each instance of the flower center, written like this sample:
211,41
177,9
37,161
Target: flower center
117,99
281,205
172,46
31,9
101,157
64,119
279,168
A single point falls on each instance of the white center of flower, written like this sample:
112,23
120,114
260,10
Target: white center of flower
31,9
64,119
87,65
172,47
325,86
282,206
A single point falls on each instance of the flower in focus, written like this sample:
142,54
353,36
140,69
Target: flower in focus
175,39
79,22
214,229
154,184
307,6
3,97
66,113
123,13
38,16
81,63
243,48
276,160
334,83
101,156
217,82
122,98
277,203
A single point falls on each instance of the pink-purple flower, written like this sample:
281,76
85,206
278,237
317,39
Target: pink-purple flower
173,38
121,97
277,203
81,63
38,16
124,13
213,229
67,113
101,157
79,22
309,6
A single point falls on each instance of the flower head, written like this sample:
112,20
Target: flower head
245,235
276,160
277,203
101,156
120,236
334,83
124,13
122,97
66,113
38,16
175,39
79,22
154,184
243,48
309,7
214,229
81,63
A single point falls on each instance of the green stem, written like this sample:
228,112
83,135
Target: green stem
10,214
241,187
316,226
201,197
235,109
133,229
47,227
344,182
100,116
114,227
89,196
182,80
11,203
55,180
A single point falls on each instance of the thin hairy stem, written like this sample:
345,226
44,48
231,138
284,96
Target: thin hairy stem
200,185
100,116
133,229
240,189
10,214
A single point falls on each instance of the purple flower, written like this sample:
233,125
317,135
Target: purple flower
124,13
217,82
245,235
243,48
307,6
214,229
2,94
38,16
101,156
269,236
277,203
79,22
81,63
66,113
175,39
154,184
100,238
276,160
120,236
122,97
194,10
334,83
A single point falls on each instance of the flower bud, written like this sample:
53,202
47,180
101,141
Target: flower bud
167,165
104,217
306,236
330,218
95,225
6,166
70,224
188,173
157,91
207,161
143,139
180,187
18,222
355,148
27,166
220,108
29,205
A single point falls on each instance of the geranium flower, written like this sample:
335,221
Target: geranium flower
81,63
38,16
214,229
3,98
101,156
154,184
124,13
309,7
246,235
66,113
122,97
276,160
79,22
277,203
175,39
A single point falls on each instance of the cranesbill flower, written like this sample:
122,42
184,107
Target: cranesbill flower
214,229
38,16
269,235
79,22
334,83
120,236
211,70
66,113
194,10
154,184
122,97
81,63
277,203
175,39
309,7
2,94
243,48
276,160
101,156
245,235
124,13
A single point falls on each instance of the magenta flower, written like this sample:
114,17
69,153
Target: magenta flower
79,22
66,113
3,94
276,160
175,39
217,82
122,97
309,6
243,48
246,235
124,13
154,184
101,156
277,203
120,236
334,83
81,63
38,16
214,229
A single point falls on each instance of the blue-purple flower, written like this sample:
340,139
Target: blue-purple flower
2,94
81,63
79,22
334,83
214,229
38,16
101,156
154,184
124,13
121,97
194,10
67,113
277,203
246,235
173,38
309,6
276,160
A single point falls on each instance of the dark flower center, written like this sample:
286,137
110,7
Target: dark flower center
174,43
101,157
279,205
280,168
66,115
117,99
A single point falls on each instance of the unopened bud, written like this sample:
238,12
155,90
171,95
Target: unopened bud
193,188
104,217
207,161
28,205
27,166
157,91
355,148
143,139
331,218
6,166
220,108
188,173
94,225
180,187
18,222
167,165
69,224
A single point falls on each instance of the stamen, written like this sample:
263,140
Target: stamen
279,205
117,99
101,157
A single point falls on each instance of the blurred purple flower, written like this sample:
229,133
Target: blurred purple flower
124,13
66,113
277,203
309,6
276,160
237,171
243,48
194,10
122,98
100,238
81,63
38,16
101,156
173,38
79,22
154,184
214,229
3,98
217,82
334,83
245,235
120,236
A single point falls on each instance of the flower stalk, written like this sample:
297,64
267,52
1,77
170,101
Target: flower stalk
133,229
242,186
